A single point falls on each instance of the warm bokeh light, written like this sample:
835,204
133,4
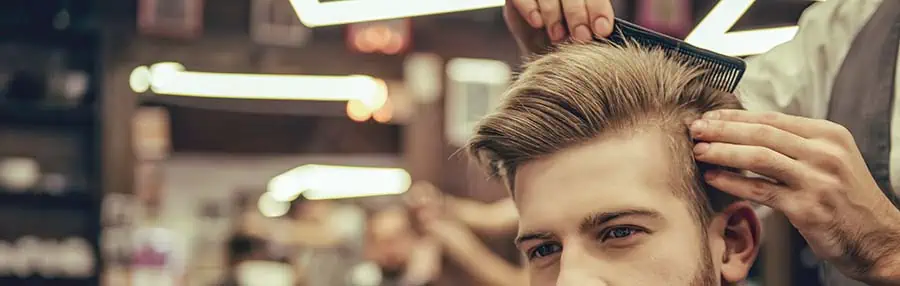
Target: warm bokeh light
139,80
322,182
385,113
358,111
360,43
393,46
377,37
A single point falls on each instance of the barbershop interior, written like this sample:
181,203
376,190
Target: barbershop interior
330,143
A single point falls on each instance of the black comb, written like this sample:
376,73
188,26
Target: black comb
722,72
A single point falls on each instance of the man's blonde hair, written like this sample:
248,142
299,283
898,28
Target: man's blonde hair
582,91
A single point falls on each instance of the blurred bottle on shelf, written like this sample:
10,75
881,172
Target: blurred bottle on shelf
18,174
30,256
42,76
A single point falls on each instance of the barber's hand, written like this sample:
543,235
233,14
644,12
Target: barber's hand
537,24
823,185
426,202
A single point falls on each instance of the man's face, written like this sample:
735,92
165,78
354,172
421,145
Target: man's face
605,213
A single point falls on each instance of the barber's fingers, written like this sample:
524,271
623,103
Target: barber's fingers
576,15
600,15
754,134
529,11
760,160
757,190
551,12
802,126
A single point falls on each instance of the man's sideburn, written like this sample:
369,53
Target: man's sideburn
705,274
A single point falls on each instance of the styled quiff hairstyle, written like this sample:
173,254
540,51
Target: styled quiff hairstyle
582,91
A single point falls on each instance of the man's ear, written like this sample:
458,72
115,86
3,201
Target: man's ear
742,241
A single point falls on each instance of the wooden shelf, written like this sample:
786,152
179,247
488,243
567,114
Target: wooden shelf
20,114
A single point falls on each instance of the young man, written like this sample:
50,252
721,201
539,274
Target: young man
840,70
593,145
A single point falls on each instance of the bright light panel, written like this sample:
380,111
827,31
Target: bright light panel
322,182
712,32
478,70
173,79
312,13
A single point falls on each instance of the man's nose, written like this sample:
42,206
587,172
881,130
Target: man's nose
579,268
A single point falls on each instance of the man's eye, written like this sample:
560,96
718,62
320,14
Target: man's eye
619,233
544,250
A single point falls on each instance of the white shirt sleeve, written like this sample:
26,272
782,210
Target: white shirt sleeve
796,77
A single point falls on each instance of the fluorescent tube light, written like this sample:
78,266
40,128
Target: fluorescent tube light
313,13
322,182
712,32
173,79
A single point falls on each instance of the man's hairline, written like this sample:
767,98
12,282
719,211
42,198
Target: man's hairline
509,175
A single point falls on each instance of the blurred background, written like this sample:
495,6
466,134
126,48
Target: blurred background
192,142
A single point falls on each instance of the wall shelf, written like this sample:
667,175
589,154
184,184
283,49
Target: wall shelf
19,114
71,199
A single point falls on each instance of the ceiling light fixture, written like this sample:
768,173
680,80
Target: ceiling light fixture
313,13
712,32
173,79
323,182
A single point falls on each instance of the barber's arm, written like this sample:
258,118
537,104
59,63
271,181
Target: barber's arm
461,245
487,218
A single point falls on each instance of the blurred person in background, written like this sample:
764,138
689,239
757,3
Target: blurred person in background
453,223
250,260
251,264
408,244
405,257
326,239
841,67
316,243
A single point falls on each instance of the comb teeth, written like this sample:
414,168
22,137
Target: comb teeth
722,72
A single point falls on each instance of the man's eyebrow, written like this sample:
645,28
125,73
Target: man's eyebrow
593,220
531,236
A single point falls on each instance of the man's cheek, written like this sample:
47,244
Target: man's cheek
660,256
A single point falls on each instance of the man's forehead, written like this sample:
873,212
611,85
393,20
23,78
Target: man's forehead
616,172
646,155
